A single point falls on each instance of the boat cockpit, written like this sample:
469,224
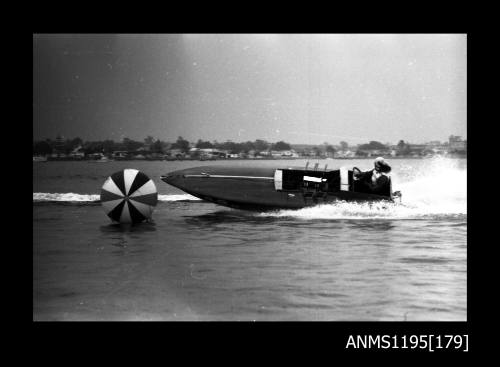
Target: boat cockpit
316,183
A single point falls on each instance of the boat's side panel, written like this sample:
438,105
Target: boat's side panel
241,191
234,186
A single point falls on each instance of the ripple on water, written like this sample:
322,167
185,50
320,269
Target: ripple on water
418,260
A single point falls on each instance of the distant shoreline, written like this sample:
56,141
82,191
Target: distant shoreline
239,159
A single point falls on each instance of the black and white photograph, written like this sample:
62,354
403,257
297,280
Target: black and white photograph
250,177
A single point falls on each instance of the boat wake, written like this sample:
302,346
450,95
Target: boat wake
438,191
69,197
345,210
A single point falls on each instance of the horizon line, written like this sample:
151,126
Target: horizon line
245,141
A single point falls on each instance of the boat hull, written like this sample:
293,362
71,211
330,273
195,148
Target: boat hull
252,188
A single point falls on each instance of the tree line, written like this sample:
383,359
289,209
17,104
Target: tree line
152,145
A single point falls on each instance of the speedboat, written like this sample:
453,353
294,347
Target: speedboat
267,188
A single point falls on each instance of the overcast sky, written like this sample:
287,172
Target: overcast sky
291,87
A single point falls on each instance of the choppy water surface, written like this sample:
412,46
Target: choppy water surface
201,261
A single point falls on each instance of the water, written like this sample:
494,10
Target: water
201,261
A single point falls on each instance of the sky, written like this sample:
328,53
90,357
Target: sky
300,88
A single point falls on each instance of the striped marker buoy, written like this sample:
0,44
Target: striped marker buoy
129,196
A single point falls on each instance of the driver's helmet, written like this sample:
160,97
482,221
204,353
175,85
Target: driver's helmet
381,165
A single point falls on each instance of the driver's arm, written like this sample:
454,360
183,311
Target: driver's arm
380,186
363,175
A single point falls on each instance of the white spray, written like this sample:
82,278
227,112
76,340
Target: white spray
438,187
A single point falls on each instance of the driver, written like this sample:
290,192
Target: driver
376,181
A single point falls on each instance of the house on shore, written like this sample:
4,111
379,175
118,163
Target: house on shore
344,154
175,154
456,144
77,153
207,153
120,155
284,153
